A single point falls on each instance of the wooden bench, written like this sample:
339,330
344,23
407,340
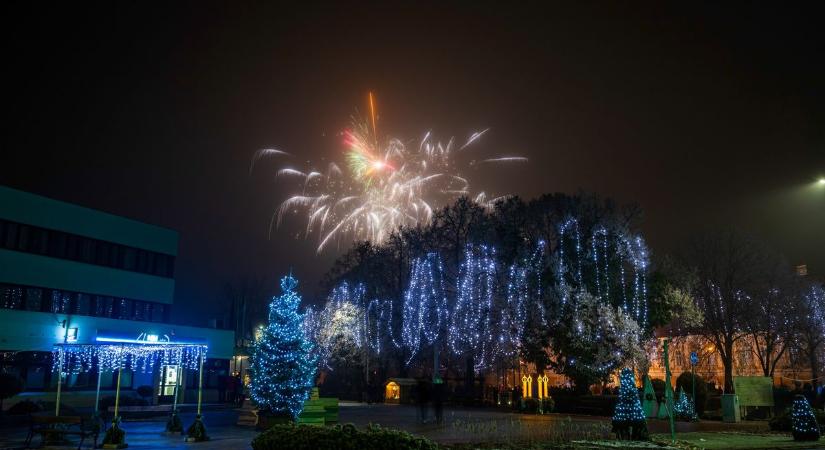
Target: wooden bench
62,425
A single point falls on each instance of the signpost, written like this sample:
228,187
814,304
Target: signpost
694,359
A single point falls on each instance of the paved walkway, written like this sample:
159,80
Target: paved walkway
460,425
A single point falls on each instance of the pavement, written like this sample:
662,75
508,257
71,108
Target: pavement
460,425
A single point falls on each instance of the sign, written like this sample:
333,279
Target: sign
754,391
694,358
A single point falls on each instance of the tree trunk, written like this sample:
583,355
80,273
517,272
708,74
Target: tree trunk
814,372
727,361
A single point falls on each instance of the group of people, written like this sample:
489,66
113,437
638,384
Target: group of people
426,391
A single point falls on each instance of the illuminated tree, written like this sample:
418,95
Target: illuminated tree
283,366
804,426
684,407
592,340
629,417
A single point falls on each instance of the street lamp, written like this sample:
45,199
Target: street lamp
821,181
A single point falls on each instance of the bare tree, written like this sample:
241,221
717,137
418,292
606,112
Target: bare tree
726,266
810,328
770,324
248,298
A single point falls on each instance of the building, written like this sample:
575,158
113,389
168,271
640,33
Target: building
73,274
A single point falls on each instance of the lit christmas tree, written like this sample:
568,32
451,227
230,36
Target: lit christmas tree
803,421
684,408
283,368
629,418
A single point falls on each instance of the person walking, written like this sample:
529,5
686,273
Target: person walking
438,400
423,399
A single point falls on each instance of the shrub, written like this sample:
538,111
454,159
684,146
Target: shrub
658,388
10,385
145,391
25,407
344,437
125,400
684,382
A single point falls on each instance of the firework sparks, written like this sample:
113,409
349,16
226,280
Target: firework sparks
387,185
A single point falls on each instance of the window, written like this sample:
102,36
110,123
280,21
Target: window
129,258
72,247
157,312
124,308
102,253
67,302
141,261
11,297
23,238
61,302
84,302
34,299
57,244
104,306
10,235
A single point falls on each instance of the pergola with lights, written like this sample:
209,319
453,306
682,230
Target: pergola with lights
142,354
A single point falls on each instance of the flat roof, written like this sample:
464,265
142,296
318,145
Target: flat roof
37,210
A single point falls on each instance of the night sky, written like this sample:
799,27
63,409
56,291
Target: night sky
705,115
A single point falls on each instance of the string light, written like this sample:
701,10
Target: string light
804,426
684,407
629,418
134,356
485,311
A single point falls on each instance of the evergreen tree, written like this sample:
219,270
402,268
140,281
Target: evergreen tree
803,421
629,417
684,408
283,368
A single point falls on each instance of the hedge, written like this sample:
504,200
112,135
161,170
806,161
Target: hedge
338,437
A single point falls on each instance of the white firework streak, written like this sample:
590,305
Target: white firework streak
337,205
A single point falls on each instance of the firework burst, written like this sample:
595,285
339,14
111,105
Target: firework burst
386,185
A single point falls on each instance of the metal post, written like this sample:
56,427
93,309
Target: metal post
59,382
175,390
669,393
200,383
97,393
693,384
117,388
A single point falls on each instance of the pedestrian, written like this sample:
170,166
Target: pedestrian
438,400
423,399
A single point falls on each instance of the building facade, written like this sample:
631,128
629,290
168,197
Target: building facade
70,274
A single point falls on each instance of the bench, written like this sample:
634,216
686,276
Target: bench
62,425
140,409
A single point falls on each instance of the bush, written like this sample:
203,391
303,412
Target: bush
658,388
10,385
684,382
125,400
782,421
344,437
25,407
145,391
593,405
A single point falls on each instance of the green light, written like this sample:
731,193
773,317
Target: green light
821,181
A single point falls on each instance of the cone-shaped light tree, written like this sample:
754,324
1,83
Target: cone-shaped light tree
803,421
283,368
629,417
683,407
